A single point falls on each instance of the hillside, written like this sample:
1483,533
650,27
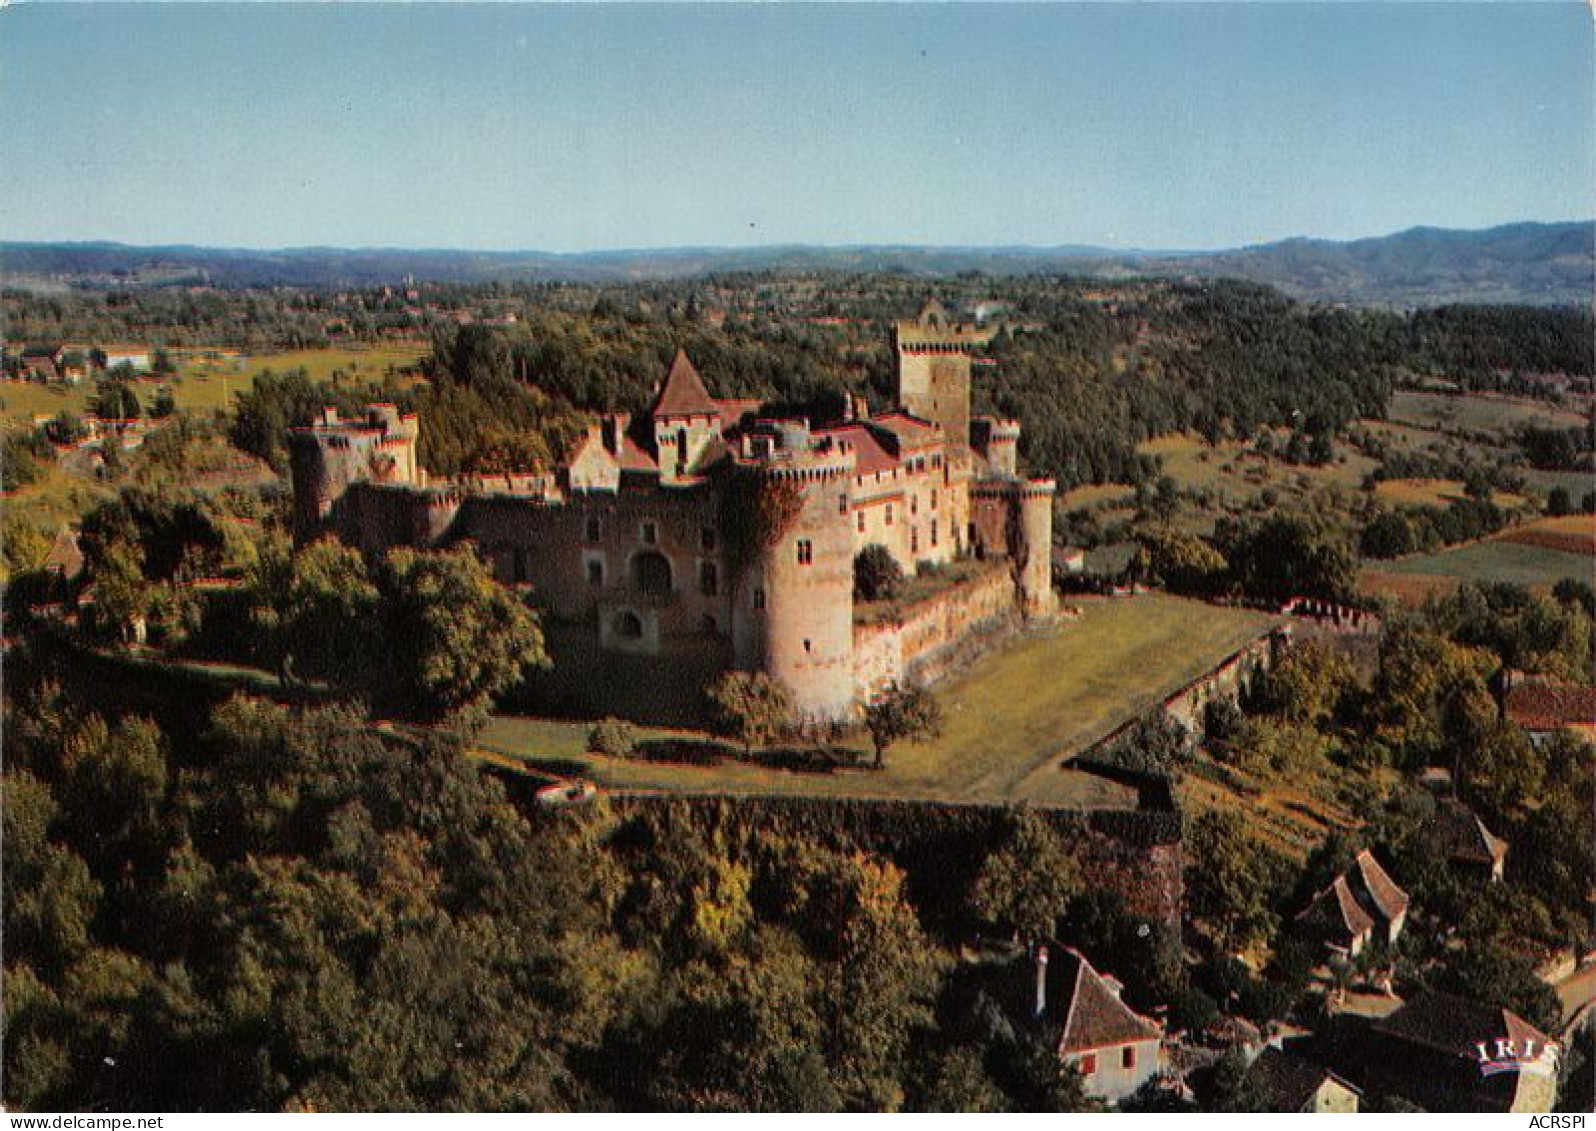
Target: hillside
1540,264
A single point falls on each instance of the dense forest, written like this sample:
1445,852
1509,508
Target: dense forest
1089,373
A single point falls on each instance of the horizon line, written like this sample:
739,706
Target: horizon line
1065,248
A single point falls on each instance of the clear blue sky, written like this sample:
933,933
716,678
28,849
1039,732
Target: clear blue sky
604,126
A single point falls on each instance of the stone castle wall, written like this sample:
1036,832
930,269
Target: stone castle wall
919,646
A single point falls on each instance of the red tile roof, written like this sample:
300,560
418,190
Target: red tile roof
733,409
1457,1025
1537,702
683,393
1463,836
1389,900
1094,1017
911,431
1285,1082
869,454
1335,911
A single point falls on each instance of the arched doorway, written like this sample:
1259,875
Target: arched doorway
651,573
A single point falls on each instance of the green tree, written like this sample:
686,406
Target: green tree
116,400
1182,562
902,713
750,707
1230,879
876,574
454,639
1027,882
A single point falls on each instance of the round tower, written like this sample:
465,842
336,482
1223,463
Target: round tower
1035,556
797,605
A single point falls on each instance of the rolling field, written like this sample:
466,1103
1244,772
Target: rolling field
1537,555
1237,475
1476,413
204,382
1009,721
1434,493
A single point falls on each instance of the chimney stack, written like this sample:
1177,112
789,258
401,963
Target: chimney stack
1041,980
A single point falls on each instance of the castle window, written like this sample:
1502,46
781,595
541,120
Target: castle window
650,533
933,532
651,573
1089,1064
889,514
708,579
861,522
914,504
706,540
759,597
595,572
628,625
842,504
806,551
914,540
809,645
933,498
594,529
1127,1056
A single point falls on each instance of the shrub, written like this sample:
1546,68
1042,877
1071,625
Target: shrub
876,574
616,738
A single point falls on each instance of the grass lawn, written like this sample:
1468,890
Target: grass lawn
1096,494
1010,721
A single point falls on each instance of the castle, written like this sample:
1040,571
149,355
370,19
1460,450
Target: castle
702,537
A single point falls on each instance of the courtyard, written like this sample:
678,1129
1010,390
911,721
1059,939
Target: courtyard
1010,720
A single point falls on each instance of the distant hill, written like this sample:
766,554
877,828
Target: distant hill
1542,264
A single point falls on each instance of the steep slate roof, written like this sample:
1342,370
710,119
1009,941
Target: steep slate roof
1285,1082
1463,836
1537,702
683,393
1389,900
1094,1017
1455,1025
1336,911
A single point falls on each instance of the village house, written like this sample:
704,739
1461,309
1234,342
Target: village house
1115,1049
1446,1053
1470,848
1282,1081
1543,705
1360,906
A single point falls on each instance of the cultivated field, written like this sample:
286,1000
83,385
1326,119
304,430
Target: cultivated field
1009,721
1537,554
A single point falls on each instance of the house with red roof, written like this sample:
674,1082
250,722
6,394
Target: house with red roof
1359,906
1543,705
1115,1049
1446,1053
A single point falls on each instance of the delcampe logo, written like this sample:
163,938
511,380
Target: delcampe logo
1501,1055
